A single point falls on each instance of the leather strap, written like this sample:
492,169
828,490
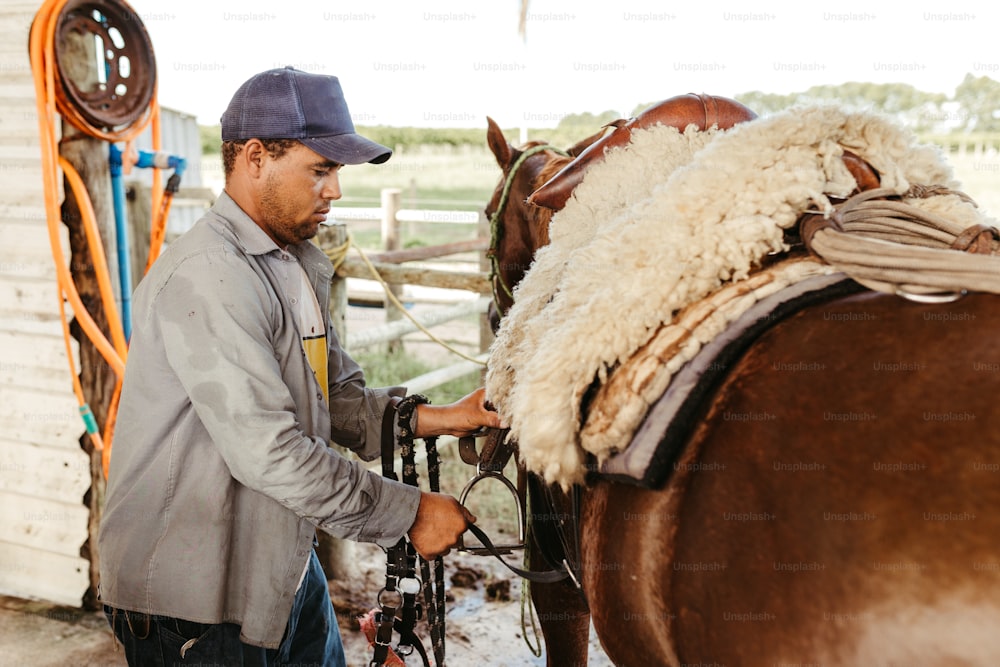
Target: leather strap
546,577
389,439
401,558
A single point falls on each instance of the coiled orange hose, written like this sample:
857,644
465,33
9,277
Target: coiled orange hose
50,99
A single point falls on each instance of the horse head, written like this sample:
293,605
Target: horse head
518,229
702,111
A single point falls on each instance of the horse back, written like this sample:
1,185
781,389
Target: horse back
836,504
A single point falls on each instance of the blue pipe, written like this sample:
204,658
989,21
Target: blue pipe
162,161
121,238
147,159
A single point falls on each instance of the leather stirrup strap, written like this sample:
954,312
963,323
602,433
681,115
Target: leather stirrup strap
546,577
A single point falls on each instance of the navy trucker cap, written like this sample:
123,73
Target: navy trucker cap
288,103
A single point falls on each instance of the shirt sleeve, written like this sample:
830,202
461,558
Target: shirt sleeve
356,410
217,322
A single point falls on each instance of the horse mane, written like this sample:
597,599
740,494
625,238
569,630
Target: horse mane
556,161
541,216
551,168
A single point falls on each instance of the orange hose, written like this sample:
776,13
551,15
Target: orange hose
159,229
50,99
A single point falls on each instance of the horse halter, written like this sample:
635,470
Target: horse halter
496,280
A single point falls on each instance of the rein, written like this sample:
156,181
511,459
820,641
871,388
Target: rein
399,605
496,280
400,593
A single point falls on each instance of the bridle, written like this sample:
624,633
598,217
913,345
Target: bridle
399,601
496,280
408,594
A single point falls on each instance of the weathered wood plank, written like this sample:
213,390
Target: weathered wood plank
34,363
58,475
35,574
43,524
30,196
42,324
410,275
19,119
29,295
41,417
28,214
429,252
21,261
26,254
44,474
394,330
22,174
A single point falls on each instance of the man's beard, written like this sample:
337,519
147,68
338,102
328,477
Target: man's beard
277,217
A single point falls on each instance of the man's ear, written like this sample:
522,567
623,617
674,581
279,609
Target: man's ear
254,155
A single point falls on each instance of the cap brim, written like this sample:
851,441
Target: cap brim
348,149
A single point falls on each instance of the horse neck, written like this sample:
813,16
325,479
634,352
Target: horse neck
525,227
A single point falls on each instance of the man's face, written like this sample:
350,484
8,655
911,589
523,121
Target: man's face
295,194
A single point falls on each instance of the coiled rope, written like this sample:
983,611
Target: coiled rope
889,245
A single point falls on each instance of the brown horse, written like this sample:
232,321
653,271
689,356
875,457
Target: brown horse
519,229
524,169
836,501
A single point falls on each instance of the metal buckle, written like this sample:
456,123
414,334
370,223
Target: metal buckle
398,600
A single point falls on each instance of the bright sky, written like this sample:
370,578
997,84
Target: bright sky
451,63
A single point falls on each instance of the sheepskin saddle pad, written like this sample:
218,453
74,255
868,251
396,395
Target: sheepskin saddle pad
660,248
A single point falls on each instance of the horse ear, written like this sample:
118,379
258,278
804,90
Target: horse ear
498,143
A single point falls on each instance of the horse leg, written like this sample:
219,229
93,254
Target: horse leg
565,623
561,608
626,548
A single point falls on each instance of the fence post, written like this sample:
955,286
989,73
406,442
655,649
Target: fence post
391,198
336,236
337,557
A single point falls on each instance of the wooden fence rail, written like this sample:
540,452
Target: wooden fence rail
391,266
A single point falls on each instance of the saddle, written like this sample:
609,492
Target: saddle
659,439
702,111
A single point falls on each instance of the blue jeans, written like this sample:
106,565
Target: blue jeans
312,638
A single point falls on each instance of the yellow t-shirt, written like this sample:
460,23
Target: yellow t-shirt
313,333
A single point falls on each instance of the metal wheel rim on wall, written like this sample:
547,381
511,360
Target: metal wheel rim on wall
129,65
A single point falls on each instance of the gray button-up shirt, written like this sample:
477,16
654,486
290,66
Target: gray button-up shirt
220,467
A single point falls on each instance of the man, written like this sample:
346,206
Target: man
234,388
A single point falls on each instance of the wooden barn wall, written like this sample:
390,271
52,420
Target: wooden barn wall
44,474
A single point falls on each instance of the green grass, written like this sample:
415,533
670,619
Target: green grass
383,369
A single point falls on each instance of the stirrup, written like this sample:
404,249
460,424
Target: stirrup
500,548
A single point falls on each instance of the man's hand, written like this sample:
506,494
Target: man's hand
466,416
440,521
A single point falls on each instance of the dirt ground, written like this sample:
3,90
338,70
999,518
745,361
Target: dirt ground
480,629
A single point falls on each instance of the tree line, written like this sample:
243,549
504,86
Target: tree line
974,109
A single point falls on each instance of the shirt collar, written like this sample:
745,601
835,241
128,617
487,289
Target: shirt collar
255,240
